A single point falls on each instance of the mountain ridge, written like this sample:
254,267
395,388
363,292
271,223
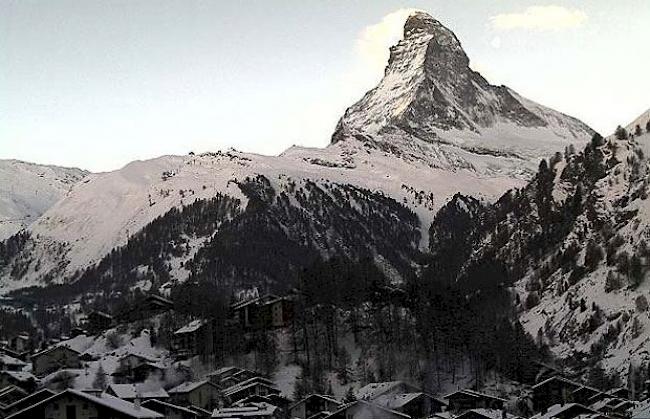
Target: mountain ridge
103,212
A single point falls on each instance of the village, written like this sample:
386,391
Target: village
146,382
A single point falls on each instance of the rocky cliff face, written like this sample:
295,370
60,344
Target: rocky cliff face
430,101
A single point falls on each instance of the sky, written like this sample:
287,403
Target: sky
96,84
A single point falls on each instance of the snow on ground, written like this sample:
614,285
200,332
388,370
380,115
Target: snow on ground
27,190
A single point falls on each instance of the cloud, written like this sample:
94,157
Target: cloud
496,42
541,18
374,40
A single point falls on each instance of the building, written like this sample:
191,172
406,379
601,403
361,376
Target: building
74,404
585,395
463,400
373,390
249,411
256,386
171,411
24,380
10,395
136,368
267,311
362,409
313,404
486,414
131,392
203,394
98,321
21,343
416,405
554,390
9,363
191,338
274,399
565,411
53,359
25,402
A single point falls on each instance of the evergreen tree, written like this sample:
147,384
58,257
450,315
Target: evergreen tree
637,130
647,126
621,133
99,382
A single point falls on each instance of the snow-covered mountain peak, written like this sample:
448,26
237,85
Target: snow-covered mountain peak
430,99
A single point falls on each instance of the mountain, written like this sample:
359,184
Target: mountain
431,105
573,245
431,129
27,190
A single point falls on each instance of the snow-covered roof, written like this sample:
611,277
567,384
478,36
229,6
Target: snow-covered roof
374,390
558,409
556,378
53,348
251,382
21,376
254,409
371,405
192,326
395,401
169,405
10,360
188,386
140,390
105,400
490,414
473,393
320,396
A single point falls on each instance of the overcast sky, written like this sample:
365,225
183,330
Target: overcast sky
96,84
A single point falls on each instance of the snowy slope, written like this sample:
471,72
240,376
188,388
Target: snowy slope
27,190
492,144
574,245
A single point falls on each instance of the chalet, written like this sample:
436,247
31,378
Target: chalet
79,405
136,368
565,411
238,377
98,321
25,402
131,392
21,343
24,380
10,395
613,407
554,390
187,340
9,363
255,386
362,409
313,404
267,311
416,405
203,394
53,359
274,399
585,395
373,390
620,392
171,411
463,400
148,370
486,414
222,373
250,411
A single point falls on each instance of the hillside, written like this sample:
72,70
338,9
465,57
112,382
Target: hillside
573,246
27,190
